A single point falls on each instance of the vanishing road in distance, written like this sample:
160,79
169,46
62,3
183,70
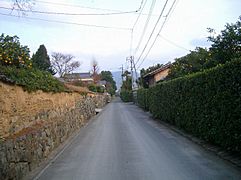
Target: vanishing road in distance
124,143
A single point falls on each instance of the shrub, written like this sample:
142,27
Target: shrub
126,96
32,79
78,83
142,99
13,53
96,88
206,104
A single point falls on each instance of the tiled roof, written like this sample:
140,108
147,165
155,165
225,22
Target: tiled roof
78,76
168,65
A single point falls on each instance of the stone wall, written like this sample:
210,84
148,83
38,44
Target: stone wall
33,124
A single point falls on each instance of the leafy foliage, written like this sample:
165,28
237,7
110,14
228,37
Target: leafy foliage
206,104
32,79
126,96
111,84
195,61
12,53
96,88
126,88
142,98
41,60
227,45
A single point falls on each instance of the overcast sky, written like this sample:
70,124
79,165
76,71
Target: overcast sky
185,28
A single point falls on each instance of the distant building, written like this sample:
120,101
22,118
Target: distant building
152,78
102,83
85,78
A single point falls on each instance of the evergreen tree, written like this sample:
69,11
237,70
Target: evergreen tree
111,84
41,60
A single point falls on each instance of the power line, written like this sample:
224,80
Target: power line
69,23
152,32
173,43
142,7
146,24
71,14
173,9
157,34
85,7
76,5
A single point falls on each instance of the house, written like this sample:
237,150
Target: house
102,83
152,78
85,78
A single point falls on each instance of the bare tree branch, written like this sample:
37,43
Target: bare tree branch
63,63
22,5
94,70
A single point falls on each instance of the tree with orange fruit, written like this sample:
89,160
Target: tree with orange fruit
12,53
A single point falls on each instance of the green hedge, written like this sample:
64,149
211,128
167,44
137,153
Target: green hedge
142,99
96,88
205,104
126,96
32,79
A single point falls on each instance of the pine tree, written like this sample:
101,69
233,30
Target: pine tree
41,60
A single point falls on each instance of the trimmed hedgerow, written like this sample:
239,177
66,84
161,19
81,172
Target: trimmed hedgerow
142,99
205,104
32,79
96,88
126,96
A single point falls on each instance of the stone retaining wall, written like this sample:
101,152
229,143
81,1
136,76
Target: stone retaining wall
34,124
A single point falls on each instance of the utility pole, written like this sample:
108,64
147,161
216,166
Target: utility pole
134,65
122,72
132,77
131,61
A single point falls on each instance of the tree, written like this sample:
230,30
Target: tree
63,63
195,61
111,84
94,70
13,53
22,6
41,60
127,83
126,88
227,45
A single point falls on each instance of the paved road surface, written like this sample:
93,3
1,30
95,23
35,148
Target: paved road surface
123,143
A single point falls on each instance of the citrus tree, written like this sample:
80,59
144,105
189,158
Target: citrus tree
12,53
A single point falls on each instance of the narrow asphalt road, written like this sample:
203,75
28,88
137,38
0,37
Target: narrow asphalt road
123,143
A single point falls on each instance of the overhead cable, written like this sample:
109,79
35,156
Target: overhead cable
152,32
69,23
173,43
76,5
146,25
157,34
142,7
71,14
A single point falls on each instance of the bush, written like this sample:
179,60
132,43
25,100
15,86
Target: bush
77,83
142,99
126,96
205,104
96,88
32,79
13,53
